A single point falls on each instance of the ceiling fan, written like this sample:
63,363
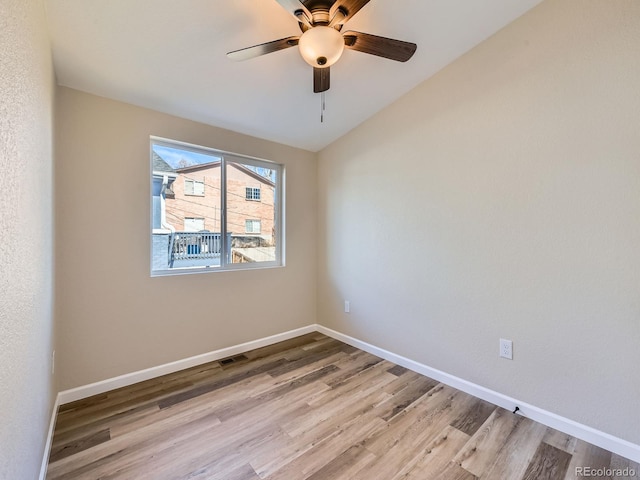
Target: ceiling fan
322,41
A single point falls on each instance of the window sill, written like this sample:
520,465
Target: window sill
236,267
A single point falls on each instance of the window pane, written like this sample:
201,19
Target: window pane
189,209
188,187
252,226
251,212
193,224
252,193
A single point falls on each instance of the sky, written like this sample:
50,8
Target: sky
173,157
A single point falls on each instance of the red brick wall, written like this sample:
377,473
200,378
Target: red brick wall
239,208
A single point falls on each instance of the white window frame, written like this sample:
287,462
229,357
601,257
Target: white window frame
193,187
250,194
225,258
253,222
194,220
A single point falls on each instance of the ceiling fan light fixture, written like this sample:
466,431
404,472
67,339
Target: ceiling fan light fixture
321,46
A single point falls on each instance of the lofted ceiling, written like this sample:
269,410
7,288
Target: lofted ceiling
170,56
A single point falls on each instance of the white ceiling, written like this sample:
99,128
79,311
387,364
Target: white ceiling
169,55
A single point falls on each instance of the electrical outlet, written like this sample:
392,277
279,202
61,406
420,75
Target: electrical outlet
347,306
506,349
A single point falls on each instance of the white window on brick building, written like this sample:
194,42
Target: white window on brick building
193,224
253,193
252,226
193,187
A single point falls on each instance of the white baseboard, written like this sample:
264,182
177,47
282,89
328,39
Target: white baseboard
68,396
47,445
583,432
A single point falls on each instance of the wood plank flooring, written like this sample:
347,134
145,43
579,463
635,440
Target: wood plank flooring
310,408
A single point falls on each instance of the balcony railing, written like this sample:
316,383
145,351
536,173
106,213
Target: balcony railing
196,245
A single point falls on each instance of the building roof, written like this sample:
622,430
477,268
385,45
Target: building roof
198,166
217,163
159,165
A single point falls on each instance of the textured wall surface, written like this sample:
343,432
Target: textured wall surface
26,331
113,318
518,169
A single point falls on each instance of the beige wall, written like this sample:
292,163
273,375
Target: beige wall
113,318
518,168
26,237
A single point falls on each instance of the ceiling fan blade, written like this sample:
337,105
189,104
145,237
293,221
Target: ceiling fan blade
298,10
321,79
380,46
263,49
345,9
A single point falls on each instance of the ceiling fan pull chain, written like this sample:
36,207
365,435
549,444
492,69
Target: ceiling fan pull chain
322,107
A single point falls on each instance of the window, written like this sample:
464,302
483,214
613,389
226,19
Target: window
193,232
193,187
193,224
253,193
252,226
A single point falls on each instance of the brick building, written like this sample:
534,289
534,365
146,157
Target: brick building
195,203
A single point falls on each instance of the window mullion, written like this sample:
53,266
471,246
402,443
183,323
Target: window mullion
225,254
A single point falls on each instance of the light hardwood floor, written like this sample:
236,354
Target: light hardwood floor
308,408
